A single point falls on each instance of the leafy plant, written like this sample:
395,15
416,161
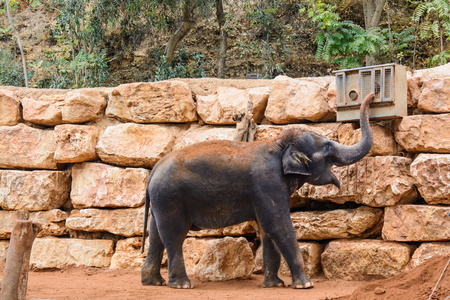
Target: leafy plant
435,22
11,72
182,66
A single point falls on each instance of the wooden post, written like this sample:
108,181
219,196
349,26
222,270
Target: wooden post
15,276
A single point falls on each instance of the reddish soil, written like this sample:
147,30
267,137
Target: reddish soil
92,283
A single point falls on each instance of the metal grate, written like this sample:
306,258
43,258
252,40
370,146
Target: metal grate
340,87
376,88
387,95
365,84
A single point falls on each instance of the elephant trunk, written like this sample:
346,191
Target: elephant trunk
348,155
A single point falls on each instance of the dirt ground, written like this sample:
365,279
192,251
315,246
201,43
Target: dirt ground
93,283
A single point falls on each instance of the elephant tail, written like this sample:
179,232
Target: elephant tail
147,208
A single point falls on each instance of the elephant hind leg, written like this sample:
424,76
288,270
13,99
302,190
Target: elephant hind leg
150,272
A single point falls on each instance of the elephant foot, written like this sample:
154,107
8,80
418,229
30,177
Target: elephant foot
273,282
302,283
155,280
181,284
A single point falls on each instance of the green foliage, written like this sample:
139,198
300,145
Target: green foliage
182,66
440,59
11,72
348,44
434,16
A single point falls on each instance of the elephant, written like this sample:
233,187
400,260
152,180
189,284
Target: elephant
215,184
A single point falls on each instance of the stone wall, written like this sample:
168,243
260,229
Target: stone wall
79,161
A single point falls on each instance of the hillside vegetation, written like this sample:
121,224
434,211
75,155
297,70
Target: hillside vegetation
77,43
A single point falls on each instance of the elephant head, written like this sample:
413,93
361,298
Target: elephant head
311,155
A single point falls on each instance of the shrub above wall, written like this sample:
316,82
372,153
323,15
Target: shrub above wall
80,160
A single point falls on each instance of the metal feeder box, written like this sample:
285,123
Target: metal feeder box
388,82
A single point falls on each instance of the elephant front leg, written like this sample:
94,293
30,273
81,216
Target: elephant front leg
271,259
277,225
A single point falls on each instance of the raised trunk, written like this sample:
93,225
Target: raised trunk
186,25
348,155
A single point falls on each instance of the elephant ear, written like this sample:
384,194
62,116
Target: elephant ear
295,162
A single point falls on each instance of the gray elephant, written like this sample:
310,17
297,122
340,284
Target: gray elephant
221,183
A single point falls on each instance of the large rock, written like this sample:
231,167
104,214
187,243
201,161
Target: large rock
414,82
136,145
33,190
311,252
269,132
60,106
248,228
100,185
416,223
193,250
431,174
52,222
9,108
75,143
424,133
22,146
427,251
337,224
364,259
197,134
228,102
383,139
49,253
374,181
435,95
152,102
128,254
126,222
226,259
294,100
4,244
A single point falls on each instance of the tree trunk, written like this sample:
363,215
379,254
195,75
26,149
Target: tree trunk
223,40
15,277
372,16
186,25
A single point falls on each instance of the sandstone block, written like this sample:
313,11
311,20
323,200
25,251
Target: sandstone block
226,259
311,252
4,244
152,102
100,185
245,228
136,145
431,172
128,254
435,96
75,143
51,222
221,107
33,190
336,224
383,139
9,108
294,100
259,97
197,134
424,133
60,106
126,222
427,251
269,132
374,181
364,259
57,253
414,83
22,146
416,223
193,250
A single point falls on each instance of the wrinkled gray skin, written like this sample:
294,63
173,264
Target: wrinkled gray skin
221,183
